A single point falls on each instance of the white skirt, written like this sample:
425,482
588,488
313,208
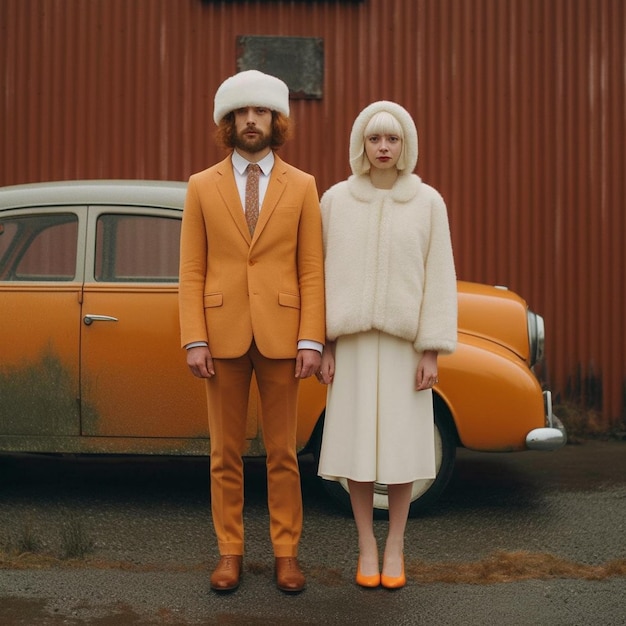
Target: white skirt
377,427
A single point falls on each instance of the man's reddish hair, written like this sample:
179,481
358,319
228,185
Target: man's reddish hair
226,132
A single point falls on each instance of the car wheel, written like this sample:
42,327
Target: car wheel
424,492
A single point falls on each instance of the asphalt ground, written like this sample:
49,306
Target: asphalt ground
518,539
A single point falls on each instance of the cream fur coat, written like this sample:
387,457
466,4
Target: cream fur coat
389,263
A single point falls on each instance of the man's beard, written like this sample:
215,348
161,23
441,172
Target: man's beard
254,144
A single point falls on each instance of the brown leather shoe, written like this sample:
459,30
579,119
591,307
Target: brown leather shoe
227,574
289,576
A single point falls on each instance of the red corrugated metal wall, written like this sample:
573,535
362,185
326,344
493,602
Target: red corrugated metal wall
520,108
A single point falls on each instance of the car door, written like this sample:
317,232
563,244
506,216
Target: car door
41,264
135,385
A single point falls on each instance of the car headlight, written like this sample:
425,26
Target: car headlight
536,337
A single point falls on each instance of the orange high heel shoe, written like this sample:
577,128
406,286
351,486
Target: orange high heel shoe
394,582
366,581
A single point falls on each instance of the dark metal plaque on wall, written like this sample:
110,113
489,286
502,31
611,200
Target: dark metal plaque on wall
299,61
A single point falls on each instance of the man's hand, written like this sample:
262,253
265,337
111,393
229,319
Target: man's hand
307,363
200,362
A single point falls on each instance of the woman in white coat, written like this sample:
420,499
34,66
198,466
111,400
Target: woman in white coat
391,309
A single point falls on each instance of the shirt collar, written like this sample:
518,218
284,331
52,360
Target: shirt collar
266,163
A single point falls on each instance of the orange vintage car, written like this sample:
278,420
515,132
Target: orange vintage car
90,359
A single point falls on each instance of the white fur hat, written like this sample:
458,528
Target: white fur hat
358,161
251,88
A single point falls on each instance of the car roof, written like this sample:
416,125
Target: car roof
155,193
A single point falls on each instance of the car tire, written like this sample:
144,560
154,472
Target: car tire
424,492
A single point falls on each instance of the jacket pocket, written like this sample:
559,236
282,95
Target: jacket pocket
289,299
213,300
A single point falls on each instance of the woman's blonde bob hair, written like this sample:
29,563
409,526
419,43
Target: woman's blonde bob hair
383,123
383,118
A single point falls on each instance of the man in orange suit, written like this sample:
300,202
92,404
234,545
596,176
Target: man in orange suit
252,300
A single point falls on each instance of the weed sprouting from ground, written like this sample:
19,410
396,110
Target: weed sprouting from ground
24,540
75,542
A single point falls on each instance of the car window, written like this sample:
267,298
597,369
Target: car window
137,248
38,247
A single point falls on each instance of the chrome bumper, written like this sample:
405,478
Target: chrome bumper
553,435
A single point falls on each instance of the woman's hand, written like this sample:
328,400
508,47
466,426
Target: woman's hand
426,374
326,372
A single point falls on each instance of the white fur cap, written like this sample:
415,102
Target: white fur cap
251,88
357,138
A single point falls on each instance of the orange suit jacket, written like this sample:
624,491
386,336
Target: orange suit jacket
270,287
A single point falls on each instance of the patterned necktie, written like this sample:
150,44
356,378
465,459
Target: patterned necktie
252,196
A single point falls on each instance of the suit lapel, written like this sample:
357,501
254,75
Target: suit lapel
227,188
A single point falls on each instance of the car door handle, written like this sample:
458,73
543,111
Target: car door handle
90,319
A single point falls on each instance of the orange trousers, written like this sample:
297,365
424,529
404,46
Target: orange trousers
227,394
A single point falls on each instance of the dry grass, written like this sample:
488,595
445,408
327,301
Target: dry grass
505,567
328,576
499,567
582,423
29,561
